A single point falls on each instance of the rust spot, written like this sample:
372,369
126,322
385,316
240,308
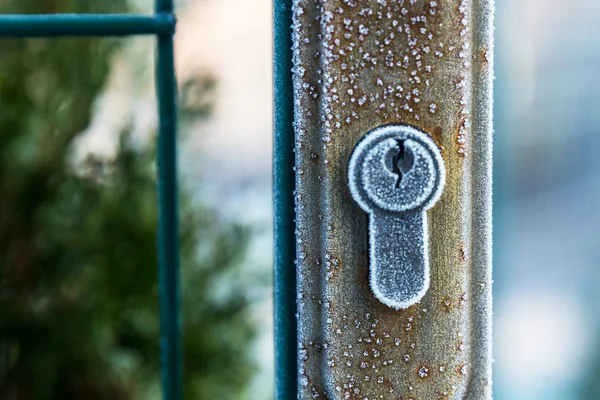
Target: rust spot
443,395
438,138
484,55
462,254
461,370
447,304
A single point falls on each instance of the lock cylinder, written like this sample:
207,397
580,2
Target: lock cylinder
395,174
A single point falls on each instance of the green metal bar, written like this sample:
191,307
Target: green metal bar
168,238
283,178
53,25
168,228
163,6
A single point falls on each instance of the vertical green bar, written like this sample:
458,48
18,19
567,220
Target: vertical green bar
168,225
283,180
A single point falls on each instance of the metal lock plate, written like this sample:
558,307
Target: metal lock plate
360,66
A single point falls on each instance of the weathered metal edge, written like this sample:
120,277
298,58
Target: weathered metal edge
482,159
284,271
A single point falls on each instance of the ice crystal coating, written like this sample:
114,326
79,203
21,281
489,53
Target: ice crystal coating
396,173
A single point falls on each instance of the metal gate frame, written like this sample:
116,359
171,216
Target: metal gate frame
286,364
162,26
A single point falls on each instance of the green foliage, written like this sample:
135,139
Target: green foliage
78,281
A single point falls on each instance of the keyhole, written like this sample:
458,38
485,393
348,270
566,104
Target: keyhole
402,161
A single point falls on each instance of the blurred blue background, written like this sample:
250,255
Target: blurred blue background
547,200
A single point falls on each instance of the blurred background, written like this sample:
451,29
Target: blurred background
547,200
78,301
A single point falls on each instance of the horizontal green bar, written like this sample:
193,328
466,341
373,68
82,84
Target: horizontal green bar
52,25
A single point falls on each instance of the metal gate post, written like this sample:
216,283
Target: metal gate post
168,221
359,65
